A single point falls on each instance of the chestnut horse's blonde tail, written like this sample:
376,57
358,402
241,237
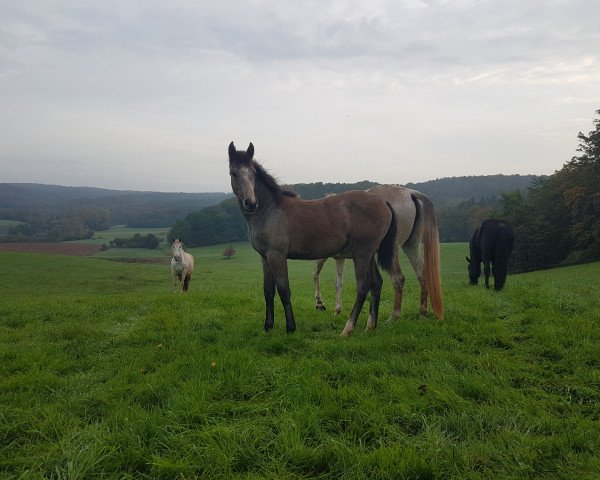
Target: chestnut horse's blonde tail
431,247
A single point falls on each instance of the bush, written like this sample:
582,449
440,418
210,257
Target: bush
149,241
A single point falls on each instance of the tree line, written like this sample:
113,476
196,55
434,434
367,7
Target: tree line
54,213
138,240
50,226
557,219
463,211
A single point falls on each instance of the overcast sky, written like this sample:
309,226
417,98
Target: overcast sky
147,95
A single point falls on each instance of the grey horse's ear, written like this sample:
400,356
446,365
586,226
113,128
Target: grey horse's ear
232,150
468,259
173,239
250,151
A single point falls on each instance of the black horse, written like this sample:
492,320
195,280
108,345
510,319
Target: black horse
492,242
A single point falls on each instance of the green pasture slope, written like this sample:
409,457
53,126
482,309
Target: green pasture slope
6,225
106,373
122,231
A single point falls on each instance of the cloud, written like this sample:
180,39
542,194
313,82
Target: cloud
455,87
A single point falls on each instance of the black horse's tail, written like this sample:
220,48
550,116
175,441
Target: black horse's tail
387,247
504,245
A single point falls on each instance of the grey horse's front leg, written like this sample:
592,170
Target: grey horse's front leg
269,292
278,264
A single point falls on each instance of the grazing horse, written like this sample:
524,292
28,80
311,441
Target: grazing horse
282,226
182,266
492,242
416,223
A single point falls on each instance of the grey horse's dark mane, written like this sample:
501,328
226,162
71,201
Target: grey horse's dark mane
270,182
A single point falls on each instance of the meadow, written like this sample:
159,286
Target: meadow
122,231
6,225
106,373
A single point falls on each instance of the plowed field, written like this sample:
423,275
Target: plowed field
60,248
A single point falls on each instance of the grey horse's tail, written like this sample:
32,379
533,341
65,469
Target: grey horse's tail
431,248
387,247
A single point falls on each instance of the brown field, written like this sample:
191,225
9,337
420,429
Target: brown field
59,248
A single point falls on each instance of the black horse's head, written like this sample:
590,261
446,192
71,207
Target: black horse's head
242,171
474,271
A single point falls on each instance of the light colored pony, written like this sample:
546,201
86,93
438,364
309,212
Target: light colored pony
417,223
182,266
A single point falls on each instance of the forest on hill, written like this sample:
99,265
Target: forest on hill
58,213
465,201
556,217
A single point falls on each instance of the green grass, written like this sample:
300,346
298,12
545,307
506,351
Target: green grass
105,373
122,231
6,225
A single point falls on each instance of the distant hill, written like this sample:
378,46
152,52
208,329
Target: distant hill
28,196
459,202
448,192
54,212
444,192
143,209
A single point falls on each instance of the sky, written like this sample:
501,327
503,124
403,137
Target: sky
147,95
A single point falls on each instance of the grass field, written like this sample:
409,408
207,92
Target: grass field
6,225
122,231
106,373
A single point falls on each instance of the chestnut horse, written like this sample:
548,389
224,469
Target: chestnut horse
416,225
282,226
182,265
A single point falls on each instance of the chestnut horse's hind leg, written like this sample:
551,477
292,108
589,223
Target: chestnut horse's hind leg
319,305
416,260
376,284
398,279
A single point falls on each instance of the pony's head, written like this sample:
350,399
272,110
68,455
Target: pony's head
177,245
474,270
242,171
